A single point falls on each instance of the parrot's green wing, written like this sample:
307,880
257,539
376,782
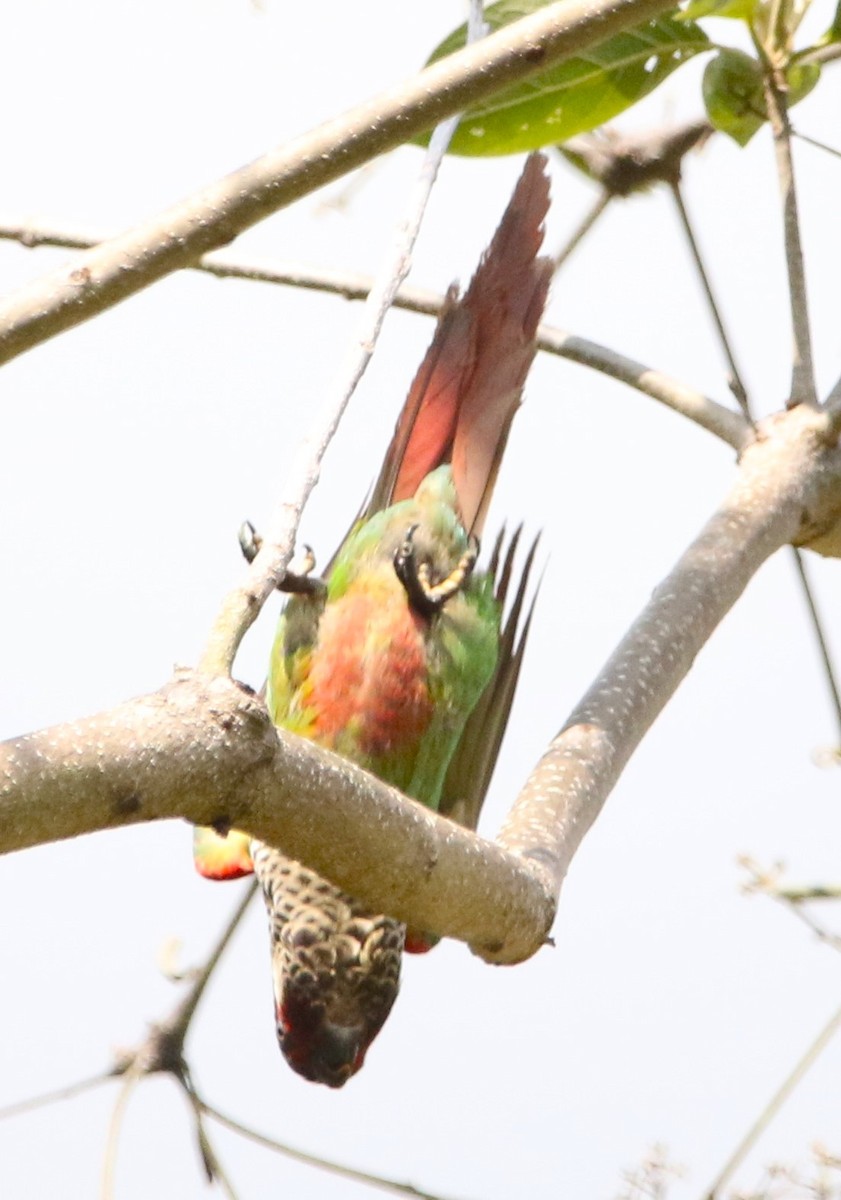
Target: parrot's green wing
469,774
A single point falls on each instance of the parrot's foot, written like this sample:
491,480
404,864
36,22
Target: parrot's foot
426,597
299,579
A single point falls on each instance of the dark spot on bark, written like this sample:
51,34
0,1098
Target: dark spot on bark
222,826
542,855
534,54
127,805
430,864
226,721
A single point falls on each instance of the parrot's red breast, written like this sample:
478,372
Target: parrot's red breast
368,679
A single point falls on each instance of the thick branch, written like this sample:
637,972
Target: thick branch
205,750
100,278
788,488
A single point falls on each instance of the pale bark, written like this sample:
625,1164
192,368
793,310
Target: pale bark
203,748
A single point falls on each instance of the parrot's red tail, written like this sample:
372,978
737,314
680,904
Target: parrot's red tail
464,396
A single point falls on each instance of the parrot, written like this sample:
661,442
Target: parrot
398,658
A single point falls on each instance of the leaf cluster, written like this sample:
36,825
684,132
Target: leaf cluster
583,92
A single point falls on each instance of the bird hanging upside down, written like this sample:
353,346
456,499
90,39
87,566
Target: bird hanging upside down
400,660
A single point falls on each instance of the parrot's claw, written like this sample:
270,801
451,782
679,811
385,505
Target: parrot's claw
299,578
426,597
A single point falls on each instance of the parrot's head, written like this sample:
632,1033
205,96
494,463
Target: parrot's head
333,991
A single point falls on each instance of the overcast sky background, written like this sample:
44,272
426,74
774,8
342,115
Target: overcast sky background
133,446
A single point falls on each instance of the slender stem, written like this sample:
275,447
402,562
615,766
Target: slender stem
189,1004
810,141
62,1093
726,424
240,608
819,54
224,266
130,1082
737,385
774,1105
803,389
800,895
376,1181
704,411
579,233
213,1167
823,648
823,935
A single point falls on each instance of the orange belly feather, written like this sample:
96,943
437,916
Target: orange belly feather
368,677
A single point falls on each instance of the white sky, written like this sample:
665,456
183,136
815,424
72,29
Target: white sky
133,446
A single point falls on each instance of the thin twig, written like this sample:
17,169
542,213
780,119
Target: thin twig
809,892
810,141
188,1005
376,1181
803,389
737,385
726,424
578,234
764,881
62,1093
823,647
706,412
100,278
213,1167
803,915
225,266
241,606
818,54
130,1081
774,1105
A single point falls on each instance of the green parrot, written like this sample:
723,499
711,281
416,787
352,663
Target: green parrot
399,659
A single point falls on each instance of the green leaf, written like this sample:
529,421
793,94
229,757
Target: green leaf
801,78
736,10
833,34
734,93
574,96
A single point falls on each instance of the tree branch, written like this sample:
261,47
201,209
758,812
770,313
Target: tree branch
726,424
343,1172
736,381
772,503
801,1067
803,372
708,413
243,604
205,750
213,217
